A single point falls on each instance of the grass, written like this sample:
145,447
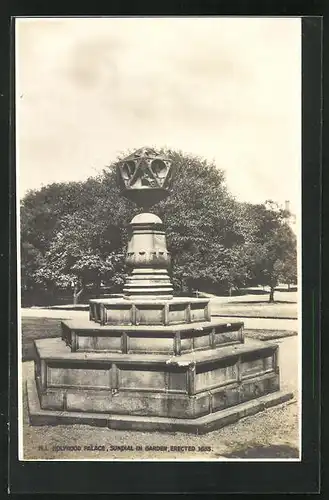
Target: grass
37,328
269,334
255,309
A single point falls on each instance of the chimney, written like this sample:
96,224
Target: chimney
287,206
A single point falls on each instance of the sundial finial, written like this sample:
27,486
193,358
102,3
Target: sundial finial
144,177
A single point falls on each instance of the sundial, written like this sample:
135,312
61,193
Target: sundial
150,360
144,177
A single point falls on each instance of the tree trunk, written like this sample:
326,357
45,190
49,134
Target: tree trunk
230,291
76,294
288,287
271,299
98,282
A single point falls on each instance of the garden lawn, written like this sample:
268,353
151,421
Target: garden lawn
254,309
263,334
37,328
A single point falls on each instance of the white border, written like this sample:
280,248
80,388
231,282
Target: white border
19,319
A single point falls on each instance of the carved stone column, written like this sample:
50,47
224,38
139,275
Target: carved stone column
149,259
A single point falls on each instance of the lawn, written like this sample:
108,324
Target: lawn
254,305
268,334
37,328
254,309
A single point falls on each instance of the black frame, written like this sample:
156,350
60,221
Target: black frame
175,477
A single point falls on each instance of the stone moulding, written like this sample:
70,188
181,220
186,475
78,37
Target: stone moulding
148,259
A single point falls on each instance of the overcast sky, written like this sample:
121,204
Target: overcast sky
228,89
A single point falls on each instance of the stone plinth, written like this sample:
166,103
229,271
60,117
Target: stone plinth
149,312
200,425
188,376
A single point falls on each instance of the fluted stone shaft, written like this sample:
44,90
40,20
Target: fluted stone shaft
149,260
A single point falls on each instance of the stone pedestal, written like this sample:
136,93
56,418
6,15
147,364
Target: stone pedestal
149,259
152,365
151,361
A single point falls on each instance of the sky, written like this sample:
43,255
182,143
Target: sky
226,89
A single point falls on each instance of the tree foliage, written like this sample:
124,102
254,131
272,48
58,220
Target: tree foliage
270,247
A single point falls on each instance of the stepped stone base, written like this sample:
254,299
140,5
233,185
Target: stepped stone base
151,361
152,365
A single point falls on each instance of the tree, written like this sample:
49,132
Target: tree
31,261
41,210
289,269
76,230
202,225
271,246
75,258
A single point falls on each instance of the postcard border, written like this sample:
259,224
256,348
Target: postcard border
204,477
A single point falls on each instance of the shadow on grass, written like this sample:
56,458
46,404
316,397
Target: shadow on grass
273,451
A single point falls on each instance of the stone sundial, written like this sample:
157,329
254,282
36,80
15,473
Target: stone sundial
145,178
150,360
